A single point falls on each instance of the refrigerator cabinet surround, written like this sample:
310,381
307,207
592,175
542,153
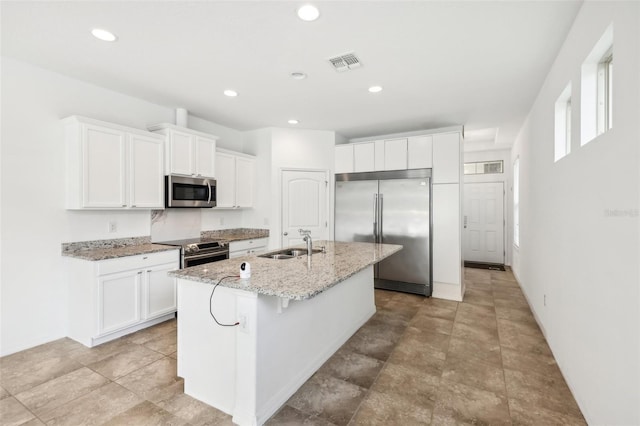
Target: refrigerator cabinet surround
391,207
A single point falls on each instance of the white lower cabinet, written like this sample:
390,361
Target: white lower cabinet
247,247
114,297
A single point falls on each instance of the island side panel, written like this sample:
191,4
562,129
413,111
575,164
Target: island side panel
294,344
207,357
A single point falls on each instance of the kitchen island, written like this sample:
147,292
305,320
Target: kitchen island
293,314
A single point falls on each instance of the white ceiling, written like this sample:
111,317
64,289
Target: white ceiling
478,63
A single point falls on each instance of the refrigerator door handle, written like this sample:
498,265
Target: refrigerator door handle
375,218
380,229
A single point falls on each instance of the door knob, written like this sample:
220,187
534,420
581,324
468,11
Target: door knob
285,234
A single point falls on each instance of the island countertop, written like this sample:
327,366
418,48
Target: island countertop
295,278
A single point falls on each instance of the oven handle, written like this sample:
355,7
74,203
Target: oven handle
209,186
210,254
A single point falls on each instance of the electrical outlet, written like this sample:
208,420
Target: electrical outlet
244,327
113,227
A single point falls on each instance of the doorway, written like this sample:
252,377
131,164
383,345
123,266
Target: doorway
483,223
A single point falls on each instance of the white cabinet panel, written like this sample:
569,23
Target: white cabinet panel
447,257
119,300
103,167
146,185
395,154
420,152
205,157
234,180
160,291
364,157
344,158
379,155
446,158
181,153
247,247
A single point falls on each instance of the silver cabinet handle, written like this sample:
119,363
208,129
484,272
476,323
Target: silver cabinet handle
465,222
380,228
375,218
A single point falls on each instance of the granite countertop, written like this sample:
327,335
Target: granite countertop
112,249
238,234
293,278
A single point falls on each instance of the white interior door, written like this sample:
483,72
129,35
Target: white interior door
304,205
483,222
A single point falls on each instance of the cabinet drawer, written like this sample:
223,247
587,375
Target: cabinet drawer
137,262
247,244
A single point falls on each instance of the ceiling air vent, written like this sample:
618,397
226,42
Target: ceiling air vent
347,61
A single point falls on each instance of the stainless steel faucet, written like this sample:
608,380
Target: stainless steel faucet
307,239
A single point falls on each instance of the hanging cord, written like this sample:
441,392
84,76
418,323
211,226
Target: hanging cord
211,302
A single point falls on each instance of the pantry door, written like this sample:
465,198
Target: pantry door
483,222
304,205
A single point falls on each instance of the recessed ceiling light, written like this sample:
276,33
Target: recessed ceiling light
231,93
298,75
308,12
103,35
375,89
293,121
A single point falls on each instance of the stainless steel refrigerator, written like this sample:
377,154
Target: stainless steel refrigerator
390,207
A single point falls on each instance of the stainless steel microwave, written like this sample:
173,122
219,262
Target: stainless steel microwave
182,191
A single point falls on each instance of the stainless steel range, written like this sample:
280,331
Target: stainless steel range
197,251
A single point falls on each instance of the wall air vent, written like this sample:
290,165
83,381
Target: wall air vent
345,62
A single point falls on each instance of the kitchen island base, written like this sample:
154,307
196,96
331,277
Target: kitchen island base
249,371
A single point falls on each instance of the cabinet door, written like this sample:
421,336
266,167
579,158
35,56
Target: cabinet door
419,152
395,154
364,157
244,181
446,158
119,301
160,291
225,179
379,155
181,153
146,181
343,158
103,167
205,157
447,250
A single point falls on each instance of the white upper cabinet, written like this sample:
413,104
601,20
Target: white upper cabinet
364,157
344,158
395,154
187,152
146,179
446,158
235,179
111,166
419,152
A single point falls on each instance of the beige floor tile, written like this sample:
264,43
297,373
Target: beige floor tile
549,392
126,361
12,412
146,414
166,344
441,303
529,329
484,351
413,384
380,409
519,315
422,350
174,355
44,398
524,413
195,412
435,311
96,407
460,404
392,318
4,393
155,382
476,314
329,398
88,356
484,332
510,302
475,373
152,333
473,298
374,341
352,367
512,337
527,362
428,323
289,416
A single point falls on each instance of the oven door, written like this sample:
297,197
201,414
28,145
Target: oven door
181,191
199,259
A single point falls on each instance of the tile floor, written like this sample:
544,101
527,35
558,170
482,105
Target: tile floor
417,361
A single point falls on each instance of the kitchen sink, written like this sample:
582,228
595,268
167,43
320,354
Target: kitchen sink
288,253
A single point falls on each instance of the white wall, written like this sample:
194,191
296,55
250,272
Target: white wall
33,305
584,260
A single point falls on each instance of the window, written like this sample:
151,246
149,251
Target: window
483,167
563,124
596,105
516,202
